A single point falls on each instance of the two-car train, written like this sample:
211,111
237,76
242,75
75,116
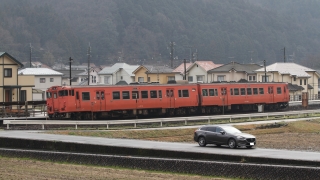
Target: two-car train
155,100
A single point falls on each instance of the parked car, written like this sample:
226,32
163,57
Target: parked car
223,135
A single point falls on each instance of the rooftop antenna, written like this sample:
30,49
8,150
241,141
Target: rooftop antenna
89,52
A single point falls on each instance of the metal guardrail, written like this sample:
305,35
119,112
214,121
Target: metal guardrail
159,120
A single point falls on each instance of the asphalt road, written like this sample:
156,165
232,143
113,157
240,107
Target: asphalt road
187,147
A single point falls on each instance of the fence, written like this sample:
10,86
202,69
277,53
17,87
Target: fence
310,97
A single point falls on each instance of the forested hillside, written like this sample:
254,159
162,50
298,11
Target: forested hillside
137,31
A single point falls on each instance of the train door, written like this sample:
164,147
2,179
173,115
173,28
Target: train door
271,95
135,96
224,96
170,97
101,102
78,104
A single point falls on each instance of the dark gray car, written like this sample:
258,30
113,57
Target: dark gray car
223,135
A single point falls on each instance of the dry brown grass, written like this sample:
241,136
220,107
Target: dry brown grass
12,168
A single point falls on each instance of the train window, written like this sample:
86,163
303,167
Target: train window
249,92
77,95
211,92
153,94
204,92
170,93
144,94
223,91
135,94
185,93
179,92
243,91
216,92
98,95
160,94
278,90
125,95
270,90
255,90
55,95
102,95
49,95
261,91
231,91
72,93
63,93
116,95
85,95
284,89
236,91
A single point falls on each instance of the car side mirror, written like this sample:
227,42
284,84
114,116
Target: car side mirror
222,132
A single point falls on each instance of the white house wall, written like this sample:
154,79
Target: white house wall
197,71
44,86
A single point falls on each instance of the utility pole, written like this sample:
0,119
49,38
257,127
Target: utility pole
171,52
30,54
70,61
284,54
89,51
185,70
265,71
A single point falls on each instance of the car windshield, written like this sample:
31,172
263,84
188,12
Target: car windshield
231,130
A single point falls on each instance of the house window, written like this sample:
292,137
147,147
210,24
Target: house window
200,78
107,80
51,79
7,72
171,78
23,95
300,81
220,78
305,82
294,78
148,79
140,79
42,80
252,78
265,78
190,78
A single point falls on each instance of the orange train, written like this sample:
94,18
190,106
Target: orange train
105,102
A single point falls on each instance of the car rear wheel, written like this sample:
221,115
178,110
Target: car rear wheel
232,143
202,142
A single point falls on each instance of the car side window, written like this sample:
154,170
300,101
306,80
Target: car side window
218,129
211,129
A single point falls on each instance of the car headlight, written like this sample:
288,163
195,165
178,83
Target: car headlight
241,137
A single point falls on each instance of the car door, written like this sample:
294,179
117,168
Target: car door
221,138
211,135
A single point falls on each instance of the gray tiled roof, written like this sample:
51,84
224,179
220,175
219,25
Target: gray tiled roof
39,71
116,67
288,68
294,87
158,69
66,73
248,68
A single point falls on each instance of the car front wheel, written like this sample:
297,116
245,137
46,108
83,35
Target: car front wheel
202,142
232,143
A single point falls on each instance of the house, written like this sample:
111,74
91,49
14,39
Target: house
94,77
182,68
117,72
43,79
198,71
14,88
234,72
300,78
155,74
75,79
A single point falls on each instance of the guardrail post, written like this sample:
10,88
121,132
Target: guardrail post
209,120
7,126
135,124
161,123
267,116
42,126
76,126
185,121
249,117
230,119
107,126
